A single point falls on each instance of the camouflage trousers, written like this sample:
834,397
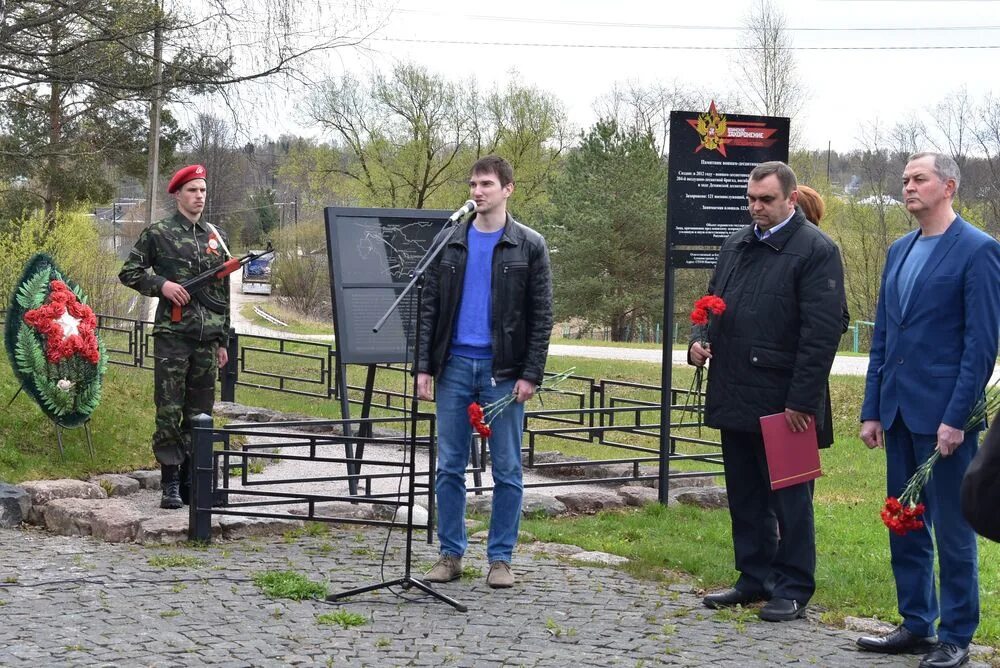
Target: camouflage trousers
184,385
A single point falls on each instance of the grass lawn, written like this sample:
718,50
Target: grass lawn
853,573
296,322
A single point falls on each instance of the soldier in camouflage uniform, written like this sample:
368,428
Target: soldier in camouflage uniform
187,353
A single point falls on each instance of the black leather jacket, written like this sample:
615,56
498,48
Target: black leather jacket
521,290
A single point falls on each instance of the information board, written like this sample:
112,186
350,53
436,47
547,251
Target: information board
711,156
372,253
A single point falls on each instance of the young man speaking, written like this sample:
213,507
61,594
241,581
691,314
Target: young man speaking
484,334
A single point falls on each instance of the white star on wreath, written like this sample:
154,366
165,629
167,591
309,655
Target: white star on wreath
69,324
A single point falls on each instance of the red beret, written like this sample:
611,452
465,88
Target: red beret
185,174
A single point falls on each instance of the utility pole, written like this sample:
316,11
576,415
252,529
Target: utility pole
829,145
152,168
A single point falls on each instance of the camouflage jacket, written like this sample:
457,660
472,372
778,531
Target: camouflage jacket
175,250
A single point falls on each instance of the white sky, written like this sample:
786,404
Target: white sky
846,87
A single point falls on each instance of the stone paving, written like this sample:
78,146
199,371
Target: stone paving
76,601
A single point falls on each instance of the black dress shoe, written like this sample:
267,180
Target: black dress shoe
782,610
731,597
899,641
945,655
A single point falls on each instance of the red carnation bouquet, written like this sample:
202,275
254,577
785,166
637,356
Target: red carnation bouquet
902,514
480,417
704,308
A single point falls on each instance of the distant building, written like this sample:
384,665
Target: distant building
879,200
853,186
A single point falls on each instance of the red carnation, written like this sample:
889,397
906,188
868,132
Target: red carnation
706,305
902,518
68,325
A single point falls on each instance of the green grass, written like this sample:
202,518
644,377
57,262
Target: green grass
121,428
295,322
289,584
175,561
565,341
341,618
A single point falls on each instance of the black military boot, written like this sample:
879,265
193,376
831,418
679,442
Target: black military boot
185,478
170,481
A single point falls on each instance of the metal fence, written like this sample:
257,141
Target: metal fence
611,428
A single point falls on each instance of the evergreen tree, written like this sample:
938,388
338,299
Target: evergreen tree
608,238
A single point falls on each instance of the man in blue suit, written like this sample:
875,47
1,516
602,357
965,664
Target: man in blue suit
933,350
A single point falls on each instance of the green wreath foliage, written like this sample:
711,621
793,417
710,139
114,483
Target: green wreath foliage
67,391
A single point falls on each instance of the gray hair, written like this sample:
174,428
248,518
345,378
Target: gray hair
944,166
786,177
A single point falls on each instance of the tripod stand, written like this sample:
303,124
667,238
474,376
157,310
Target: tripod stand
407,581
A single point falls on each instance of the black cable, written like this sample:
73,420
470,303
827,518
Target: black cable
675,47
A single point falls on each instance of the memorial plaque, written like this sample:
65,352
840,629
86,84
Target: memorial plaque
686,258
711,156
372,253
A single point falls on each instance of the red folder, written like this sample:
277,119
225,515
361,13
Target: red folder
792,457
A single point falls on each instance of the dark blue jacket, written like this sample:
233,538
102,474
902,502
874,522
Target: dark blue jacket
931,362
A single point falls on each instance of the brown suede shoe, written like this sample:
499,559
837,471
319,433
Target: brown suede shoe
500,575
447,568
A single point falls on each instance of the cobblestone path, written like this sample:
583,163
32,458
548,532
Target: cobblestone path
80,602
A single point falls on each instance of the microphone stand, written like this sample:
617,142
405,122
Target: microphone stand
406,581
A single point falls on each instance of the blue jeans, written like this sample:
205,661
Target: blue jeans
463,381
913,554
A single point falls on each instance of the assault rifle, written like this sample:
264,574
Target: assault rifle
193,285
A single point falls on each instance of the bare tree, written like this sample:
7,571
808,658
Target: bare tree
769,80
412,136
988,137
867,226
213,144
952,117
88,63
646,109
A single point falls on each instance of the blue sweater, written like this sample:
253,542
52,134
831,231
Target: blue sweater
472,337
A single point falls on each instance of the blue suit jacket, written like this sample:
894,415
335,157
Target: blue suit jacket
932,361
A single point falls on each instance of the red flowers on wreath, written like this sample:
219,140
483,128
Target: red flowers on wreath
68,325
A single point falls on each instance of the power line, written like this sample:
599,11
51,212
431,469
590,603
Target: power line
675,47
671,26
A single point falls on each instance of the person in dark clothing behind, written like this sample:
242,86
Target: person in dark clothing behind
814,208
783,283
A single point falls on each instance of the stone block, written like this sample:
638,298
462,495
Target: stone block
115,484
535,504
479,504
590,502
167,529
602,558
553,549
233,527
115,522
707,497
336,509
43,491
71,516
14,505
638,496
384,512
147,479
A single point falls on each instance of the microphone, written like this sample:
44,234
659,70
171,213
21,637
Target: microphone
466,209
